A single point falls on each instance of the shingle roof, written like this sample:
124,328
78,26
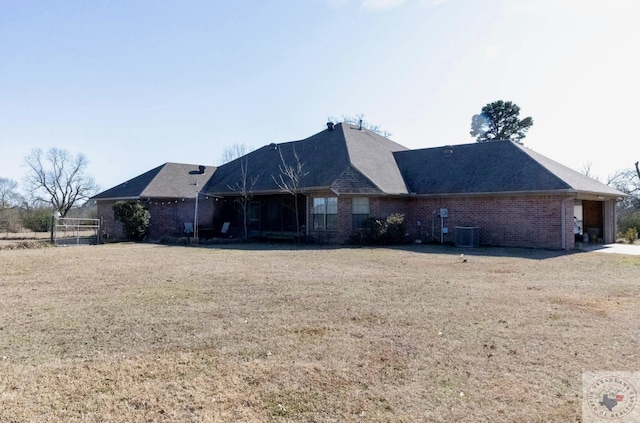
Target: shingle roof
348,160
372,155
170,180
575,180
492,167
345,159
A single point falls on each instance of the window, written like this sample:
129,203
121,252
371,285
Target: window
359,212
254,215
325,214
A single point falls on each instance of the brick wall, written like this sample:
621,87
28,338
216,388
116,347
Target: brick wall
510,221
167,217
110,229
378,207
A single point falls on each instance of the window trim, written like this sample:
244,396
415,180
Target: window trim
325,216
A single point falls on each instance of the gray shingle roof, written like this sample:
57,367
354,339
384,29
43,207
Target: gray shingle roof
170,180
344,159
372,155
348,160
575,180
493,167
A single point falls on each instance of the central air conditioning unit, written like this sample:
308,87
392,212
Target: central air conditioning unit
467,236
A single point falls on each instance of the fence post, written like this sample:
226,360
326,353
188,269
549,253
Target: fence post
54,221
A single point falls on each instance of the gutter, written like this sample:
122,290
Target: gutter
496,194
116,198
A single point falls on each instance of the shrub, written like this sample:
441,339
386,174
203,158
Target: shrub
386,231
134,218
631,235
629,221
37,219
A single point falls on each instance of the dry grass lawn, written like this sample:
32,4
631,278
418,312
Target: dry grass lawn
263,333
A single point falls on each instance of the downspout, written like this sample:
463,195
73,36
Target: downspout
306,215
564,224
195,217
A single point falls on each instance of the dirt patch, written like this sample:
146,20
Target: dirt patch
127,332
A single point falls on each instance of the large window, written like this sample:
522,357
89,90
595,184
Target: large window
359,211
325,214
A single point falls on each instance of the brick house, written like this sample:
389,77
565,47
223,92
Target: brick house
502,193
506,193
169,192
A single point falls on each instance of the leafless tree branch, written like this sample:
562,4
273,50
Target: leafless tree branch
58,178
244,187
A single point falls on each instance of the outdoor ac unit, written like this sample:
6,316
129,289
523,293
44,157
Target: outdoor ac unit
467,236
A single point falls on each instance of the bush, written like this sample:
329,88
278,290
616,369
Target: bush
629,221
385,231
631,235
37,219
134,218
10,220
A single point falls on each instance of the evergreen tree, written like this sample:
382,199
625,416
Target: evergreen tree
500,121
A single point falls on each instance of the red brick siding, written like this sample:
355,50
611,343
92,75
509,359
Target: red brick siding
167,217
529,221
378,207
110,229
523,221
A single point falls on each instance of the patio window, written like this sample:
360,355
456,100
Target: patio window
359,212
325,213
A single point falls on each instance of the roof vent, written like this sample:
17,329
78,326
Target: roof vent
330,126
273,146
448,150
360,125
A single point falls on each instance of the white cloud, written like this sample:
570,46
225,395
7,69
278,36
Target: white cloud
381,4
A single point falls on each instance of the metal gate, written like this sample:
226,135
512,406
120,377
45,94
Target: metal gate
75,231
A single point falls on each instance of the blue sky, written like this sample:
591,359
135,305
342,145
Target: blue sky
134,84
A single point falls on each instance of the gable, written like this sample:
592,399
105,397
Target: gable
353,182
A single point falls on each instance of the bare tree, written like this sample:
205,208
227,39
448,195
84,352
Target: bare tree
619,177
233,152
586,169
289,181
627,181
244,187
9,196
58,178
359,120
637,170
